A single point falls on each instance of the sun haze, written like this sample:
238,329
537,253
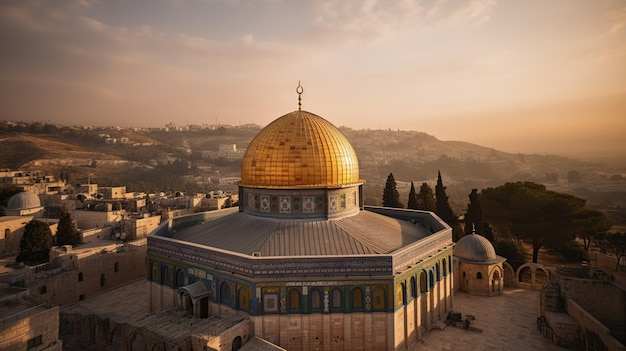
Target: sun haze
539,76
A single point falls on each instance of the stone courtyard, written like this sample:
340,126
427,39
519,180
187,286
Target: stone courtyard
508,322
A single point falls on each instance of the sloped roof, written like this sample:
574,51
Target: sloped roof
361,234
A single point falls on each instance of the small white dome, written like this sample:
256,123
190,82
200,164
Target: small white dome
23,201
476,248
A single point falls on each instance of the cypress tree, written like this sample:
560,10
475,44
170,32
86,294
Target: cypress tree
391,197
412,204
444,211
66,231
474,216
36,243
426,198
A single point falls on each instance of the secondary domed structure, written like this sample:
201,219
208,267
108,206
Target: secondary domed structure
302,245
475,248
24,204
480,269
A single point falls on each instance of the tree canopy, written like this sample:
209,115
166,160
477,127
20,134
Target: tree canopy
36,243
66,231
412,203
444,211
614,243
391,197
532,213
426,198
474,219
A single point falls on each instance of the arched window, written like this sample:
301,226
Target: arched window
155,272
437,269
423,285
413,287
225,294
336,302
180,278
444,267
316,300
479,275
294,300
357,299
378,299
400,294
244,298
431,278
165,275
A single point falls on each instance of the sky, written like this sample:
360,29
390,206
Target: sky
546,77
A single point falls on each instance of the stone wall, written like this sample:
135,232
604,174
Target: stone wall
87,276
592,330
40,325
609,309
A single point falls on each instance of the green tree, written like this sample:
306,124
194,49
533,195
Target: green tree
36,243
412,204
514,252
588,224
391,197
66,231
474,221
426,199
532,213
614,243
444,211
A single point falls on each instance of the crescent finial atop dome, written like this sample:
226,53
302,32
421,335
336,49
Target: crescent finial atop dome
299,90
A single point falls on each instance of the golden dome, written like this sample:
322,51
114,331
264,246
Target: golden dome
299,149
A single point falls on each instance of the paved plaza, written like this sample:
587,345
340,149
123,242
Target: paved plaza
508,322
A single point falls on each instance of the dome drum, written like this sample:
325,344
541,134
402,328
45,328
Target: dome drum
301,203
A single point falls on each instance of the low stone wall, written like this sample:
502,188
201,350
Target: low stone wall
591,329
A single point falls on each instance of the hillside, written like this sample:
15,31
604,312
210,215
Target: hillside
145,160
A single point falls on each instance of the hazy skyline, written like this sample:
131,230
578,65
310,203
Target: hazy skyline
520,76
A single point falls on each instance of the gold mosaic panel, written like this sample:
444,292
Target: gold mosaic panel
299,149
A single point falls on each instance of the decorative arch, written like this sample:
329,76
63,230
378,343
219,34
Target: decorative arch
357,299
438,275
336,302
431,279
165,275
413,287
315,296
294,300
423,282
226,294
379,299
243,298
444,267
179,279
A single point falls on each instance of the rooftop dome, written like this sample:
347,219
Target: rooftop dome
300,150
475,248
23,200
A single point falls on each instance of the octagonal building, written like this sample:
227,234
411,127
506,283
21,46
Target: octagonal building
302,259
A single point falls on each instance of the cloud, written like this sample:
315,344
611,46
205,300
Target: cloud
373,19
